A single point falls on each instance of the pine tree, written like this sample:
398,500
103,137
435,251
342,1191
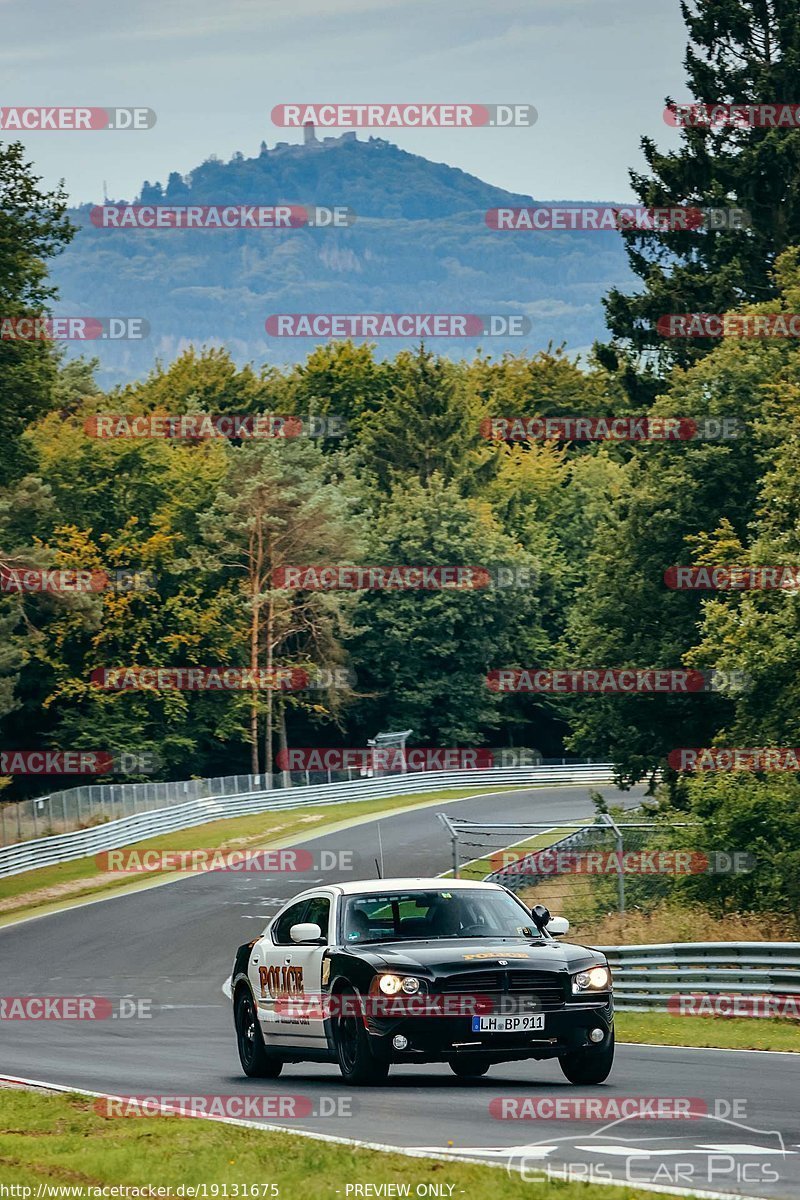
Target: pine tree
33,228
740,52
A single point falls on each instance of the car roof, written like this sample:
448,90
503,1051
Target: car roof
419,884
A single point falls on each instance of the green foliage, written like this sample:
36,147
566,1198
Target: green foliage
425,654
739,52
33,228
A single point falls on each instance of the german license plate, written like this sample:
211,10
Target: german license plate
521,1024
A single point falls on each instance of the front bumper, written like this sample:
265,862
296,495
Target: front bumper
438,1039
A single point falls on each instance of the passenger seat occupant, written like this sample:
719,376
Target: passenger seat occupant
357,925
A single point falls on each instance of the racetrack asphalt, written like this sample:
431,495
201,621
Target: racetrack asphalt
173,946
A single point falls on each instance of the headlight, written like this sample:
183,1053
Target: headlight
597,979
390,985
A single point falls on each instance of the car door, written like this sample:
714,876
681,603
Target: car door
281,970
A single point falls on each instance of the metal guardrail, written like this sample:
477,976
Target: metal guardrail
646,978
43,852
95,803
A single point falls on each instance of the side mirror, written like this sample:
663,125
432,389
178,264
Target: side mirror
306,932
541,916
558,925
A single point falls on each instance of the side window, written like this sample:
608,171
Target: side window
318,912
294,915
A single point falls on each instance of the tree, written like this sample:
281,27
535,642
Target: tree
673,494
758,632
151,193
739,52
278,507
425,654
177,190
33,228
428,423
339,379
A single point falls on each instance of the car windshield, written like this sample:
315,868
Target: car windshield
402,916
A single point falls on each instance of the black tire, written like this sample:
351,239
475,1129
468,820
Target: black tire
357,1062
253,1056
588,1065
470,1066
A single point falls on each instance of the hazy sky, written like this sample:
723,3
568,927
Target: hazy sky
596,70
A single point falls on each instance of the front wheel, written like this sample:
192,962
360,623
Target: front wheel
469,1068
357,1062
253,1056
589,1065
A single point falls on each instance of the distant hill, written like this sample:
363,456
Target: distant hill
419,244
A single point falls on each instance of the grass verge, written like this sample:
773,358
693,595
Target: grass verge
49,888
725,1033
61,1141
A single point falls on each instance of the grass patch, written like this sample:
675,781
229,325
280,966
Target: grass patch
60,1140
59,885
727,1033
681,923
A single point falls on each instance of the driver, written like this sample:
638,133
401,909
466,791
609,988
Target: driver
445,919
357,925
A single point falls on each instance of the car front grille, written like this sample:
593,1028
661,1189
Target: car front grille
545,988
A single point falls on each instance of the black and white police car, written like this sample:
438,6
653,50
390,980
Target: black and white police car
386,971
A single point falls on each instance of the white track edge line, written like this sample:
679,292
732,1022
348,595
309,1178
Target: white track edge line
717,1049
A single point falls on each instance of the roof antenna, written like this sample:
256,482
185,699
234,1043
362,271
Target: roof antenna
379,867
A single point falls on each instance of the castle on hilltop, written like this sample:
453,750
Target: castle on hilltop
312,142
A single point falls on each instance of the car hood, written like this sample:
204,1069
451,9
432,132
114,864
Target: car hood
480,954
